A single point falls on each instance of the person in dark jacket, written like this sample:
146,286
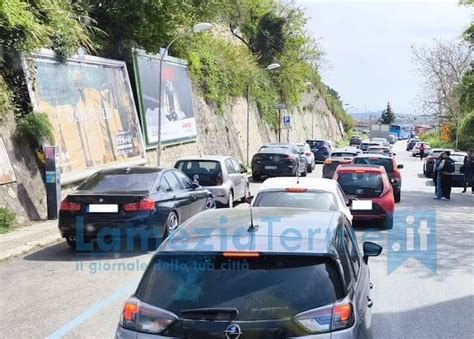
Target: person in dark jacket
446,171
469,170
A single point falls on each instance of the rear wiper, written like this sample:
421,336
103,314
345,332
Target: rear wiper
215,310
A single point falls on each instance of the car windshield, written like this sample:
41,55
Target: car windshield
457,157
342,155
209,172
310,199
270,287
362,185
386,163
119,182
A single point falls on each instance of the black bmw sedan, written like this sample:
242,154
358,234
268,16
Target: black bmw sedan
128,203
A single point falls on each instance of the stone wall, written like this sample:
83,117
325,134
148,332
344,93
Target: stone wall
27,196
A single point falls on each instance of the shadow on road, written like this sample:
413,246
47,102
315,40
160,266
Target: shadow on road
440,320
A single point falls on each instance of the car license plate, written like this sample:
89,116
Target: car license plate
271,167
103,208
361,205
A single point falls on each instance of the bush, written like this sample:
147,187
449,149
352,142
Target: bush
36,129
434,140
7,219
466,132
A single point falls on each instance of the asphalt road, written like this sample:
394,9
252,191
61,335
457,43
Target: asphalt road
56,293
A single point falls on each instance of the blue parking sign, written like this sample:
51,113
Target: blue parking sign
286,121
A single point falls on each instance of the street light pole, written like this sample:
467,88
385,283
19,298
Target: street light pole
270,67
198,28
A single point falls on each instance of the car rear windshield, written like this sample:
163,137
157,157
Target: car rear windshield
311,199
386,163
209,172
316,143
362,185
457,157
119,182
266,287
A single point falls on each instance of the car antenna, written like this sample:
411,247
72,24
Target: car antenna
252,228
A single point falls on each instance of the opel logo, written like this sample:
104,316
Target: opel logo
233,332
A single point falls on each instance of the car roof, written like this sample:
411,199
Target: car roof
205,157
221,230
131,170
378,155
308,183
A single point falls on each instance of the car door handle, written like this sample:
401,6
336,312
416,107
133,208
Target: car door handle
192,196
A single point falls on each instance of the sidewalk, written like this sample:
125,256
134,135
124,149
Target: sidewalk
25,239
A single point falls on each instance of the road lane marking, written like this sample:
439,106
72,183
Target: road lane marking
90,312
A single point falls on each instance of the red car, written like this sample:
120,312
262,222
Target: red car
370,190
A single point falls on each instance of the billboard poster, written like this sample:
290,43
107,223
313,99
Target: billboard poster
90,104
178,123
7,174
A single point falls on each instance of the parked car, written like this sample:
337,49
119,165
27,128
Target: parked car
356,140
411,143
223,176
381,141
310,193
370,186
457,177
322,289
146,199
320,148
278,160
337,157
416,148
306,150
391,167
428,166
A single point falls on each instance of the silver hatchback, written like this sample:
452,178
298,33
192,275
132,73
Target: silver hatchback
223,176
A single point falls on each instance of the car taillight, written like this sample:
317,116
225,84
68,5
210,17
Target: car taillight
69,206
144,204
327,161
296,189
327,318
290,158
142,317
307,154
219,179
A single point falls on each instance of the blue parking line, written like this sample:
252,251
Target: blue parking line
86,315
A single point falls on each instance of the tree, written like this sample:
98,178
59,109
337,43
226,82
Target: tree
442,67
387,116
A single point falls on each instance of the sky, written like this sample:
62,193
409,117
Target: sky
367,46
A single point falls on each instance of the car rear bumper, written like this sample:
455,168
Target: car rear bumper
220,194
456,180
279,170
320,156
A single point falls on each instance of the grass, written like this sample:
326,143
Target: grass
435,142
7,220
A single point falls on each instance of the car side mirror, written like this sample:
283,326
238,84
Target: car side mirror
195,185
400,166
371,249
349,202
243,169
196,177
249,199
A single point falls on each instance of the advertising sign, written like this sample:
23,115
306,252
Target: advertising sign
7,174
90,104
178,123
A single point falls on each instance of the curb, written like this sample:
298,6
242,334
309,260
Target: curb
30,247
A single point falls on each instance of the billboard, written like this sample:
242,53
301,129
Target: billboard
7,174
90,104
178,123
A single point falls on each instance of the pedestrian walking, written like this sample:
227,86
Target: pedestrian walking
438,167
422,151
468,169
446,171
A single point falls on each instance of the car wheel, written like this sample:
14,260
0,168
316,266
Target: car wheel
171,224
210,203
309,169
305,172
256,177
71,243
398,196
230,201
388,223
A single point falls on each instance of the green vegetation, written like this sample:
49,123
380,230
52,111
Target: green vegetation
252,35
466,133
434,140
7,220
36,129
